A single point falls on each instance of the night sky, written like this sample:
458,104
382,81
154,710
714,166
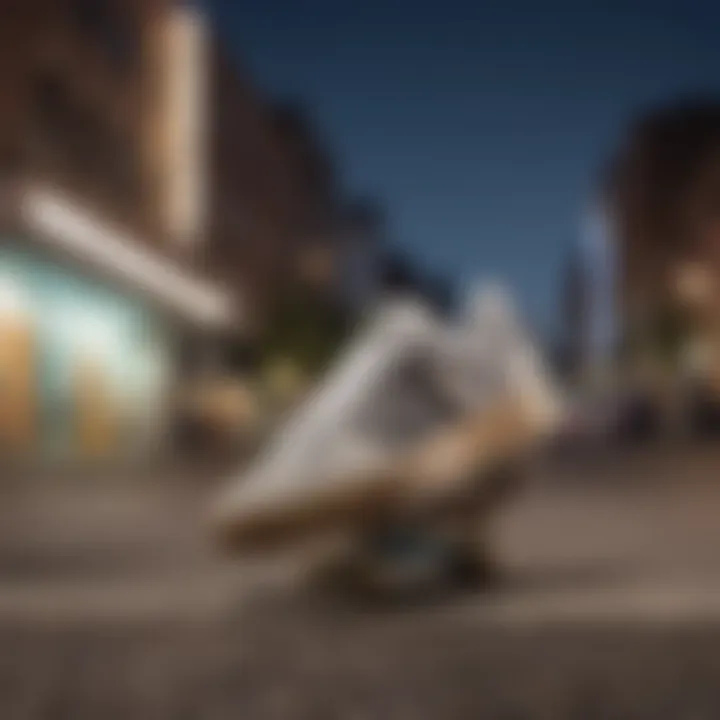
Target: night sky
480,125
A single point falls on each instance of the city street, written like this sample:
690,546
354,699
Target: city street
113,604
378,259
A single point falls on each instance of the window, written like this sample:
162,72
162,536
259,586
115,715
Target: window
110,29
80,139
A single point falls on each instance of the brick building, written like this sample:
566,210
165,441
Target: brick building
272,204
662,192
148,194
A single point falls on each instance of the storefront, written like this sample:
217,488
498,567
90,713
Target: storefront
89,322
84,371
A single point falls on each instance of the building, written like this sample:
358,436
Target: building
314,229
589,346
152,205
661,190
273,192
574,310
103,222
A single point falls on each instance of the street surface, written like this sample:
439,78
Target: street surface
113,604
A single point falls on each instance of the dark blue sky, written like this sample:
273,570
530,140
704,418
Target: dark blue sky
481,125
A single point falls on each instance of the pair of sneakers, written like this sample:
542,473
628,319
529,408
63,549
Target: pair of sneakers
408,375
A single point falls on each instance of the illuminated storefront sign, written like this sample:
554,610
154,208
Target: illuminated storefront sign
63,223
183,130
12,298
695,285
86,371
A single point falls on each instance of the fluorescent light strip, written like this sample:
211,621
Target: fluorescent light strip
66,225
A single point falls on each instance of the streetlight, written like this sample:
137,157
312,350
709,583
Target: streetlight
695,285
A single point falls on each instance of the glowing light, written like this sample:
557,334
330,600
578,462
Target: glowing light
71,227
184,128
92,333
694,284
12,298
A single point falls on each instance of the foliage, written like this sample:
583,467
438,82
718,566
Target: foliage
670,333
304,329
661,340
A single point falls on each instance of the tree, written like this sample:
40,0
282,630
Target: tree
304,328
660,340
670,334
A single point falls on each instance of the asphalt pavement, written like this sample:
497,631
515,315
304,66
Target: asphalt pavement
114,604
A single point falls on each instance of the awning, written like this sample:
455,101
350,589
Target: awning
67,225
